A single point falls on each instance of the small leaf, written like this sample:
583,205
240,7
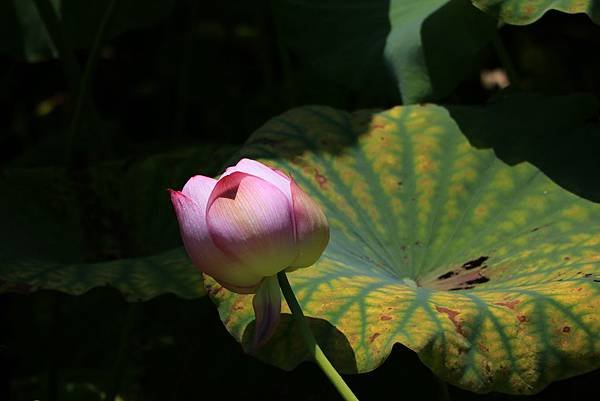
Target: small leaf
433,44
489,271
519,12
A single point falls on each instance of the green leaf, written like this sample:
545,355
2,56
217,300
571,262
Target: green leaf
26,35
428,46
352,53
525,12
138,279
112,226
488,271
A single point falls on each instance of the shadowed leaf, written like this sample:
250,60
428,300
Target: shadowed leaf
138,279
27,36
111,226
426,46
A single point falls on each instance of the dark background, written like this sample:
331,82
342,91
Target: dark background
204,76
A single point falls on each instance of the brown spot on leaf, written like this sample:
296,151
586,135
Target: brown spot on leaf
452,315
484,348
508,304
487,367
385,317
475,263
447,275
463,287
373,337
522,318
566,258
465,277
215,290
376,126
321,179
566,329
539,228
478,280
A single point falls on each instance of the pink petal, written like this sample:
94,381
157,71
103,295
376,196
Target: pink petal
257,169
204,254
267,310
199,188
312,229
251,220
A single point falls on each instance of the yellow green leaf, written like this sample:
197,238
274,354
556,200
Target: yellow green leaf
489,272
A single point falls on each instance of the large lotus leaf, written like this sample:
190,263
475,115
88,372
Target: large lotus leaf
354,42
525,12
488,271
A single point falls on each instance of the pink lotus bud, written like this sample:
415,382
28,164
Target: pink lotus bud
249,224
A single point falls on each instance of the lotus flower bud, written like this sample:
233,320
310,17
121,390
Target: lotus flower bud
249,224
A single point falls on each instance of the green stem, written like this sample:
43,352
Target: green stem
122,352
311,342
285,61
88,72
60,41
505,60
52,376
443,393
70,66
187,52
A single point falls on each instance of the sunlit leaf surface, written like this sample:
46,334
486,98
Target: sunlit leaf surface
490,272
525,12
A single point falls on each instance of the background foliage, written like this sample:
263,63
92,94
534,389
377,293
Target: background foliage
178,87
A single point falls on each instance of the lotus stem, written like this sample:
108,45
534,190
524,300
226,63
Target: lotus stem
60,41
505,60
310,341
88,72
